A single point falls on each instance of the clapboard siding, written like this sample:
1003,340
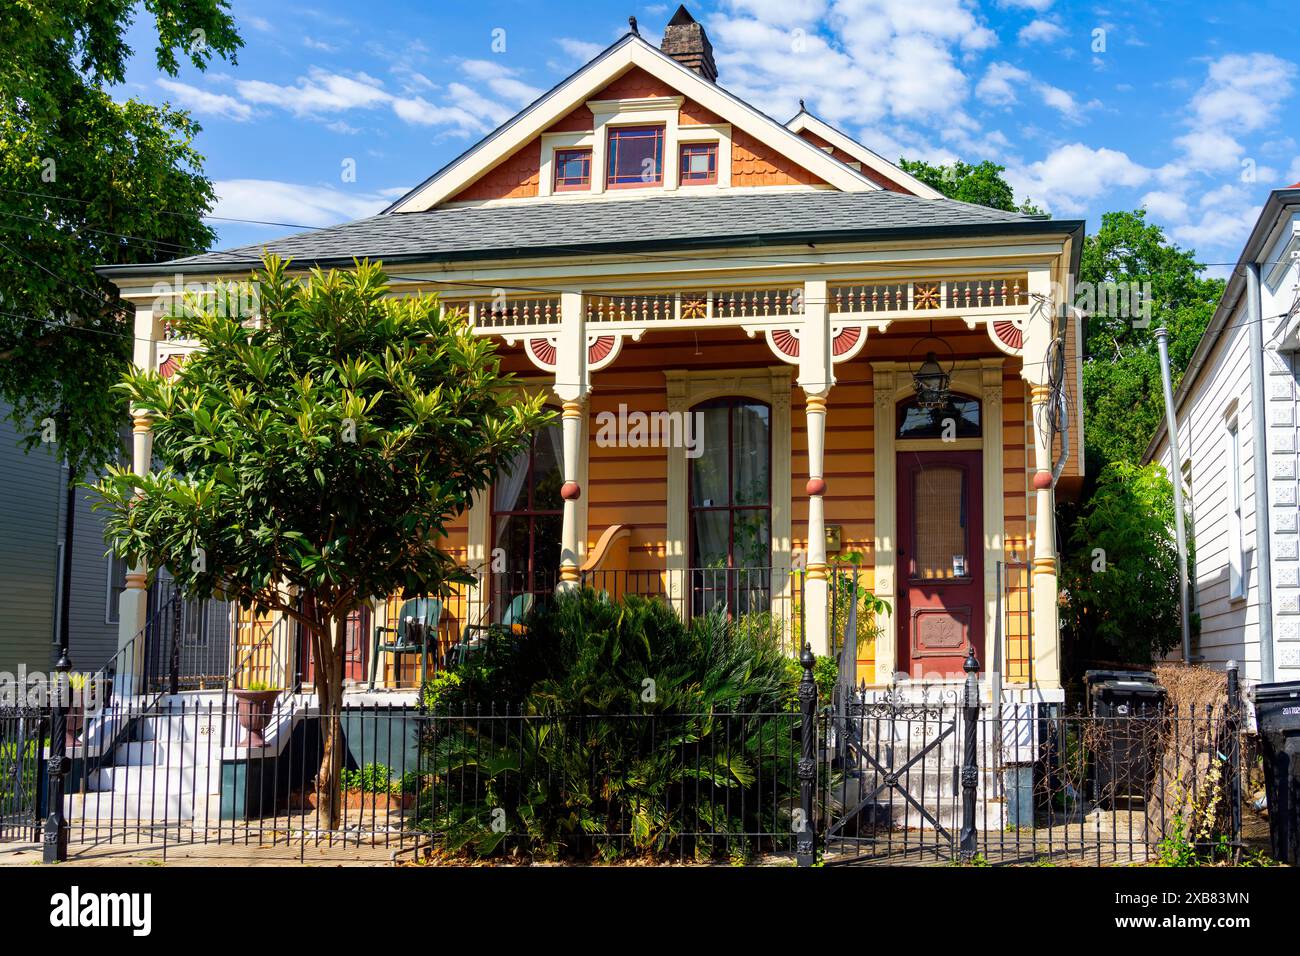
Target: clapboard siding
1228,625
31,528
93,639
29,489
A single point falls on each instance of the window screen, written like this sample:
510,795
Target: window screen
939,506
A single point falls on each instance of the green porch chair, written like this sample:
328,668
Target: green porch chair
471,638
418,615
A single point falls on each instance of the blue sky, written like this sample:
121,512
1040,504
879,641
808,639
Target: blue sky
1190,109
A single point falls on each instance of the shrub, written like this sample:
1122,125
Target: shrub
628,732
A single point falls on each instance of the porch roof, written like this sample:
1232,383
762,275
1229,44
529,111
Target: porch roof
561,228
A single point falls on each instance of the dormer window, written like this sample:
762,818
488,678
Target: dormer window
699,164
635,157
572,170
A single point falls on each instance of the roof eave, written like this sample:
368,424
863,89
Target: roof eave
1064,227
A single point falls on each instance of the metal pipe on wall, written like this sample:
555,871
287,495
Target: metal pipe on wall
1259,435
1176,479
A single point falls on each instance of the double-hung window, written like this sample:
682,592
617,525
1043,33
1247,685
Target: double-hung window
1236,534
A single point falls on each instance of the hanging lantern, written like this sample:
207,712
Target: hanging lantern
932,384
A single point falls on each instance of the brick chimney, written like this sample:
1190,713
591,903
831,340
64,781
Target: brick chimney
687,43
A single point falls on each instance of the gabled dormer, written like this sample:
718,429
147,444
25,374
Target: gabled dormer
641,121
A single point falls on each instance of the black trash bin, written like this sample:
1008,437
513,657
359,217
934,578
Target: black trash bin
1277,711
1128,705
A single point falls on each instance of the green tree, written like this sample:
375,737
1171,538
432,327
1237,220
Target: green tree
982,184
1120,581
312,460
87,180
1123,404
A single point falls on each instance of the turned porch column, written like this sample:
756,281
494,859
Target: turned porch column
1039,332
572,386
133,603
816,376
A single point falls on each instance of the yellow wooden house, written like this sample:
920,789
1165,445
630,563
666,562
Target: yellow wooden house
744,326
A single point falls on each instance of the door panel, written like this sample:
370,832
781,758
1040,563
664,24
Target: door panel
940,561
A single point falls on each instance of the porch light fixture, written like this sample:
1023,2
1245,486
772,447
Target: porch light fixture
931,381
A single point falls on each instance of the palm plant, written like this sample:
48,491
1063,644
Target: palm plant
614,728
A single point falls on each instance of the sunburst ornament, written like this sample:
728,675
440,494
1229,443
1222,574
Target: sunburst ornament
925,295
696,307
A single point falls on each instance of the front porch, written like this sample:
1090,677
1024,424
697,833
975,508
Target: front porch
733,435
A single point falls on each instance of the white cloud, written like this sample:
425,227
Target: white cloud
1209,150
1058,99
1168,206
205,102
781,12
998,86
579,50
1071,175
1037,5
322,93
272,200
1040,31
318,92
1243,92
313,44
1221,228
501,80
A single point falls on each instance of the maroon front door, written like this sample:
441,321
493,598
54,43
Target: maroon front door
356,649
940,561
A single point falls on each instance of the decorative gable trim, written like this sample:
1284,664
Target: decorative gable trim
805,121
631,51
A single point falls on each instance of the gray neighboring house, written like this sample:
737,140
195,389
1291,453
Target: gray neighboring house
31,547
1247,587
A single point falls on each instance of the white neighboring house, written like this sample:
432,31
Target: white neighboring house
1247,585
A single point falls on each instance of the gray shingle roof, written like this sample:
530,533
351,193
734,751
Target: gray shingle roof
559,227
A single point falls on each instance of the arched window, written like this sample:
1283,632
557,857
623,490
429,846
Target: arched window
960,418
731,506
527,513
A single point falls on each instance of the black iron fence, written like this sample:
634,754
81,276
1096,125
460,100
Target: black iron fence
934,779
721,785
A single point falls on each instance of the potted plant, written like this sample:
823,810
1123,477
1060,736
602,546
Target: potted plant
256,702
77,684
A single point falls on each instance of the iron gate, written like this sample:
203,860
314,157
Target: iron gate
893,781
24,733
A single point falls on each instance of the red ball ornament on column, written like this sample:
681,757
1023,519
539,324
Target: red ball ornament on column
570,491
1042,479
816,486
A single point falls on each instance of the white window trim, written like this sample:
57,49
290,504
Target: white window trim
719,133
111,609
647,111
546,172
1234,501
685,390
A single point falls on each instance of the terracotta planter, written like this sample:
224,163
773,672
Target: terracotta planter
253,712
379,802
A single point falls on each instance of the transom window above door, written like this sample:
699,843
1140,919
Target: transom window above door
635,157
960,418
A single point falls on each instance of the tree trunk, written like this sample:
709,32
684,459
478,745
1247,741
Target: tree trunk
328,641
